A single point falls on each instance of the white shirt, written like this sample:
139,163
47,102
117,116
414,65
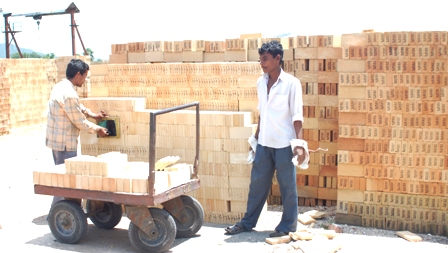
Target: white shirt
279,110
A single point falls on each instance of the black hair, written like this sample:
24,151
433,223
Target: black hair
75,66
272,47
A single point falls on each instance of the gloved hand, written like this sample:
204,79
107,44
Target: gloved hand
253,147
298,143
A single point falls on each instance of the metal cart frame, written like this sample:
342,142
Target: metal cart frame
136,205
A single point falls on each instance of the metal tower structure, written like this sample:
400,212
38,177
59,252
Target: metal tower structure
71,9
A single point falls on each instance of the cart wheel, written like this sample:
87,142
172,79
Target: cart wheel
190,227
108,218
165,226
67,221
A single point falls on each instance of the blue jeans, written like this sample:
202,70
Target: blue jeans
267,160
59,158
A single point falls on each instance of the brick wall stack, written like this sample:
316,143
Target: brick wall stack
392,171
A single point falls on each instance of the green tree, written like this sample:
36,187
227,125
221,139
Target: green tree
90,52
32,55
49,56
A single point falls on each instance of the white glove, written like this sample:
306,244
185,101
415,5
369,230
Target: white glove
253,143
251,157
300,143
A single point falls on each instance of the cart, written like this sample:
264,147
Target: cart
151,229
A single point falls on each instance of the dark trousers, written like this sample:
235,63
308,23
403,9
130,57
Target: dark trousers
267,161
59,158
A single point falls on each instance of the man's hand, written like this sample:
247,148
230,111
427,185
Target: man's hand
99,116
300,152
103,132
250,147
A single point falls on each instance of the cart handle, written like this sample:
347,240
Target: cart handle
152,141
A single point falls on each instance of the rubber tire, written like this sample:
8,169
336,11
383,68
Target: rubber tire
166,228
108,218
72,213
195,218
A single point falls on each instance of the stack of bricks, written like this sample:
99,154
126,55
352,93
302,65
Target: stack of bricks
110,172
193,51
25,88
214,51
235,50
241,49
119,54
186,51
217,86
253,43
223,167
51,70
392,153
5,94
314,64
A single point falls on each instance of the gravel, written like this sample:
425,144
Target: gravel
357,230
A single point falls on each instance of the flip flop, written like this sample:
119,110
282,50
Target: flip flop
235,229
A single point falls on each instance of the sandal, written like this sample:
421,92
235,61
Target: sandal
235,229
278,234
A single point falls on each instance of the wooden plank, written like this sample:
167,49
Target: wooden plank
409,236
305,219
301,235
278,240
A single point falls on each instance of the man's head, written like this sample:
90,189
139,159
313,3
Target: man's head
271,56
77,71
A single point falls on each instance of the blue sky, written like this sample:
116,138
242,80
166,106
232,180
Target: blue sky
103,23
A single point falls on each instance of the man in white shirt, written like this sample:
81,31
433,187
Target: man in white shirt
281,115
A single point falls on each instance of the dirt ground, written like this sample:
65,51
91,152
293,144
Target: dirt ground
24,227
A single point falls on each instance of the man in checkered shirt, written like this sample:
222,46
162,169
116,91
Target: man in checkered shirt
67,116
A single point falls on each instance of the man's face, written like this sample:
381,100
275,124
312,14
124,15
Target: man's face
268,62
79,79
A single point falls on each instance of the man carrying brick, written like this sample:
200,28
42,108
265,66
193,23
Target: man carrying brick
67,116
281,115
